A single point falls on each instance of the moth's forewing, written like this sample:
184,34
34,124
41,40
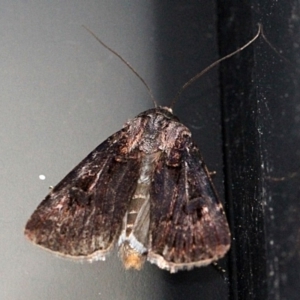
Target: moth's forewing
82,215
188,225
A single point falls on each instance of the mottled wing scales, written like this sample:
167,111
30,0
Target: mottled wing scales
188,226
82,215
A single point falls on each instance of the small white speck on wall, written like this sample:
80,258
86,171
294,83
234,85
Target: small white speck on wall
42,177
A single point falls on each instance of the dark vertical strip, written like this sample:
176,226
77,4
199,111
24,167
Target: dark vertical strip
242,154
260,107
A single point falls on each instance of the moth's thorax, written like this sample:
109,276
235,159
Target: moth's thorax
158,129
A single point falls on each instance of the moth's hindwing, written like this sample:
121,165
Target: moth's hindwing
82,215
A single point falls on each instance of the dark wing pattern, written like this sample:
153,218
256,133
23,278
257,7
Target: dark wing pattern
188,226
82,215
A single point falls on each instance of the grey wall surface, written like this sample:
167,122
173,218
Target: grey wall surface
61,95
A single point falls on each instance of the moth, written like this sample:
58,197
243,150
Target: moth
145,189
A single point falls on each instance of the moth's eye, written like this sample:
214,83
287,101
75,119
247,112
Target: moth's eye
185,134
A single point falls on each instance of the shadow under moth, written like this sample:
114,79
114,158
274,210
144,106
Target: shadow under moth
146,188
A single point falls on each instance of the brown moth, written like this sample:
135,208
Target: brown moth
146,188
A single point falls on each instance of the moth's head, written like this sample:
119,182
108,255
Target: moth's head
164,111
169,109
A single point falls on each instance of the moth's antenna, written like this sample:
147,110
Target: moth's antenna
193,79
274,49
125,62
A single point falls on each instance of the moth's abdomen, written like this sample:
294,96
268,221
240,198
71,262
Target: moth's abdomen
133,241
